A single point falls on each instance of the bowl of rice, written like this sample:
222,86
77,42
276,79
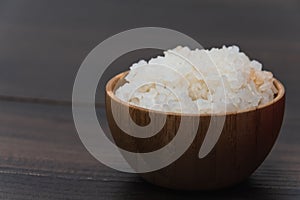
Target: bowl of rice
199,84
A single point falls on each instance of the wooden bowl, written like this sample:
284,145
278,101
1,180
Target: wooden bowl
245,141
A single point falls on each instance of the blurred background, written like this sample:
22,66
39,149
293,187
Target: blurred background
43,43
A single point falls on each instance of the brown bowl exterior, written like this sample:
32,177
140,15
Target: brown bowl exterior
245,141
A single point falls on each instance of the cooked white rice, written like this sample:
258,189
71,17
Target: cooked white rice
198,81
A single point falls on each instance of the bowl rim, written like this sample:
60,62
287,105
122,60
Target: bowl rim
111,93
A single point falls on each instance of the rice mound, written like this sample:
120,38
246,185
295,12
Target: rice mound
198,81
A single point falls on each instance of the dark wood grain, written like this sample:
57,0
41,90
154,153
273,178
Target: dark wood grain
41,157
42,44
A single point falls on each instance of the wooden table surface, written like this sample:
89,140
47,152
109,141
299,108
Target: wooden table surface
42,44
